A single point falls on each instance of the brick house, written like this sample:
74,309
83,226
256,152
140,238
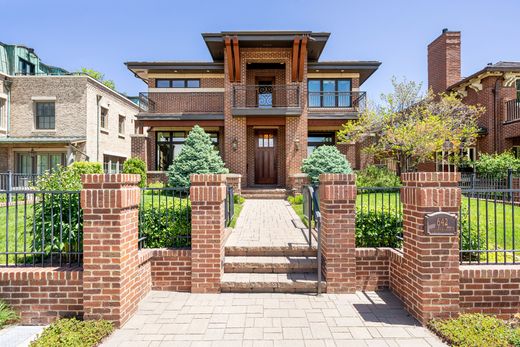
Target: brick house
51,117
265,98
496,87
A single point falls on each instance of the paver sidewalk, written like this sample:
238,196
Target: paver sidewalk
184,319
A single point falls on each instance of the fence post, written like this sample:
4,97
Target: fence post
110,236
207,195
431,256
337,194
10,180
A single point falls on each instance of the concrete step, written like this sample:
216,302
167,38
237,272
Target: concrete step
261,193
271,283
267,264
271,251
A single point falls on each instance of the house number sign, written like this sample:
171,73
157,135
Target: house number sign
440,223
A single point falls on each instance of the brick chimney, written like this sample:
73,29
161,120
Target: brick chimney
444,61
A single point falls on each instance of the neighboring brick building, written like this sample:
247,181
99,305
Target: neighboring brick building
496,87
265,99
49,116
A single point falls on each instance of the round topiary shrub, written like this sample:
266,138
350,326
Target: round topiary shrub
325,159
197,156
136,166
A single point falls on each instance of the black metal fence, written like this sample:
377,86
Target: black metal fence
10,181
229,205
311,212
41,228
473,180
164,218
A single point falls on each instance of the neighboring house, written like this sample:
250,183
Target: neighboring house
496,87
265,99
50,117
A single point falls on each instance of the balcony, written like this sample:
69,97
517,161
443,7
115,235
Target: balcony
336,105
512,110
181,102
266,100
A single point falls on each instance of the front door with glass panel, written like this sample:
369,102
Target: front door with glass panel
265,157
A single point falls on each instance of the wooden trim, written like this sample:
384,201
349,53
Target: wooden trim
236,57
294,62
229,54
303,57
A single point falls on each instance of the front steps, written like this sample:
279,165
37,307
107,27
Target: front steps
270,270
264,193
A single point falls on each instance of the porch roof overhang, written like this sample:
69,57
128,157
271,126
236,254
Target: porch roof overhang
266,112
41,140
173,119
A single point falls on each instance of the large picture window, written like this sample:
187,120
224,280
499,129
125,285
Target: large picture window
169,145
45,115
329,92
39,163
316,139
177,83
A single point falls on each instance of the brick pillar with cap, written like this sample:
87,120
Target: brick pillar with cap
207,195
337,194
110,233
430,265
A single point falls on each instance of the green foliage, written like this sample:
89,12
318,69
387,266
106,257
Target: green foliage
325,159
238,205
166,224
496,165
7,315
295,200
237,199
378,229
376,176
136,166
67,178
73,332
156,185
98,76
476,330
198,156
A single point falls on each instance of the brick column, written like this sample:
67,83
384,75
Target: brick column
139,148
207,195
338,218
431,262
235,180
110,232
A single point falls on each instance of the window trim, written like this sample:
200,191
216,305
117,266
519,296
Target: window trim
37,117
101,126
321,92
170,82
121,133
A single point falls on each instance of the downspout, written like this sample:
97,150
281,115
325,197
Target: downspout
496,91
98,99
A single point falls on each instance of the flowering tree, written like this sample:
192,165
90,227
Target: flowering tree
412,128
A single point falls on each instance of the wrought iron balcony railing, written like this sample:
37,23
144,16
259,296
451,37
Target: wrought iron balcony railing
512,110
341,100
266,96
181,102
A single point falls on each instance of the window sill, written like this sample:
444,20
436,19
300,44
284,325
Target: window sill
44,130
121,136
104,131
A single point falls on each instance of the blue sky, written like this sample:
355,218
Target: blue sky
104,34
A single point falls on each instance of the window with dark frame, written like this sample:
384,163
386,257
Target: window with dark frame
121,125
103,122
169,145
26,68
45,115
329,92
38,163
518,90
316,139
177,83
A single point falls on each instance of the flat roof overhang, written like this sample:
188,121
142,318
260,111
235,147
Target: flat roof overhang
141,69
277,39
41,140
162,119
364,68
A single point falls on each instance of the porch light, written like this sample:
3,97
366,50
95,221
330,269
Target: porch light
234,144
297,144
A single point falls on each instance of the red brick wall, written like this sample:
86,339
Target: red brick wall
444,61
196,102
41,295
372,268
491,289
171,270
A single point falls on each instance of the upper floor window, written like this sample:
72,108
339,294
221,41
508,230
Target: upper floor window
104,118
518,90
121,125
329,92
26,68
177,83
3,114
45,115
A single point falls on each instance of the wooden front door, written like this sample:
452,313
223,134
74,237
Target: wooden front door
265,157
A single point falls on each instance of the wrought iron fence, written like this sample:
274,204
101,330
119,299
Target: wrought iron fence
229,205
473,180
164,218
266,96
311,212
10,181
489,226
41,228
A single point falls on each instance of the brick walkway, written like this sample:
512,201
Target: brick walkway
268,223
183,319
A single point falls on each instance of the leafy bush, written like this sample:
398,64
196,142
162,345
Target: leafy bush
166,224
197,156
378,229
136,166
156,185
325,159
295,200
476,330
496,165
67,178
376,176
7,314
73,332
86,167
237,199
